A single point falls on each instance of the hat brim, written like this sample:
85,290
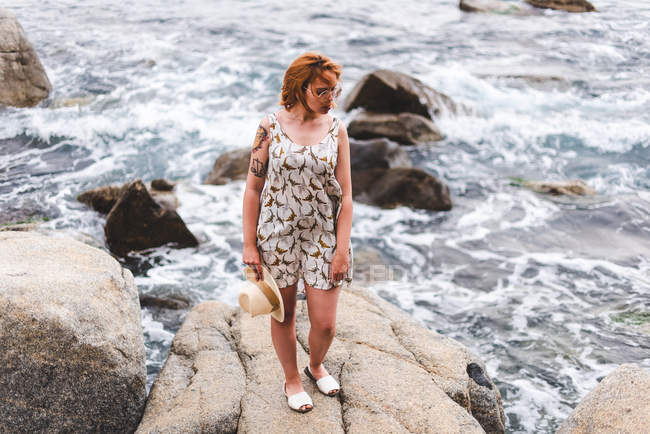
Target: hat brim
278,313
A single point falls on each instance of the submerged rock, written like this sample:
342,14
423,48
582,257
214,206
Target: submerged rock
564,5
72,355
618,404
389,188
493,6
377,153
573,187
229,166
222,375
24,81
385,91
138,222
404,128
102,199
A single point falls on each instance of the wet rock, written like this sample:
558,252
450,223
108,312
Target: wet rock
404,128
24,81
385,91
375,356
200,387
564,5
230,166
618,404
137,222
493,6
389,188
573,187
175,303
72,355
101,199
161,185
377,153
78,101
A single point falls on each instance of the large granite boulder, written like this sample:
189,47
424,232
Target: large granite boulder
389,188
24,82
229,166
201,385
563,5
72,355
377,153
619,404
404,128
385,91
138,222
392,379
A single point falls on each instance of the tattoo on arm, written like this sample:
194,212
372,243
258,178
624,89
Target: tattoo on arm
261,136
258,168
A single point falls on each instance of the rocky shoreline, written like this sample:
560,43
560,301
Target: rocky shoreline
72,359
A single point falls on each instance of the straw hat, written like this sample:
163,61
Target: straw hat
261,296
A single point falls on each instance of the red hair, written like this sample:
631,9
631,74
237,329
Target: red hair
301,72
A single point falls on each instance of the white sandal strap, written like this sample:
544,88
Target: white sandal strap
327,384
298,400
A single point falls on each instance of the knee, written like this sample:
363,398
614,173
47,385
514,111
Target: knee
327,329
289,320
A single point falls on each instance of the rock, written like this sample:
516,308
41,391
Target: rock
230,166
24,81
385,91
72,355
101,199
137,222
573,187
404,128
78,101
175,303
564,5
493,6
377,153
161,185
389,367
389,188
200,387
618,404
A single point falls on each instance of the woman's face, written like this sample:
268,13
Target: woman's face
326,84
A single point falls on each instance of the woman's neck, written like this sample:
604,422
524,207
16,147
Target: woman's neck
300,114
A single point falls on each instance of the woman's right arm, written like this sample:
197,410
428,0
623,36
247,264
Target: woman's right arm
254,185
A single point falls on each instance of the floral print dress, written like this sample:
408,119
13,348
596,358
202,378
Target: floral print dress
299,207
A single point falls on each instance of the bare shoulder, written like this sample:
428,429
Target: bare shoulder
343,131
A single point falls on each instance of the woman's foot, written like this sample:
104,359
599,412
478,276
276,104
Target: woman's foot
293,388
325,382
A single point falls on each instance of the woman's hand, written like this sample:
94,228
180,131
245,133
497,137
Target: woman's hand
251,257
338,267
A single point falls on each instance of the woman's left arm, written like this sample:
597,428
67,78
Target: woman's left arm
343,173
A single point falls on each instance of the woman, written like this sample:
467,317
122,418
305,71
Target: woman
297,214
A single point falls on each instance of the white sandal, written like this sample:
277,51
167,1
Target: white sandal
298,400
327,385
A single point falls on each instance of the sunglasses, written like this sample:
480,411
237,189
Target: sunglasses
323,93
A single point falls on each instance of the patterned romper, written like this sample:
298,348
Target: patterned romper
299,207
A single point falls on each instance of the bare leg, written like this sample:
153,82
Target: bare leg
283,335
322,316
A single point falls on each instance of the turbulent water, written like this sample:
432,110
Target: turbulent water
552,293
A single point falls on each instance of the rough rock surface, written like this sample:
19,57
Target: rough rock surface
72,356
385,91
23,81
618,404
202,382
564,5
404,128
102,199
377,153
388,188
229,166
395,375
137,222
